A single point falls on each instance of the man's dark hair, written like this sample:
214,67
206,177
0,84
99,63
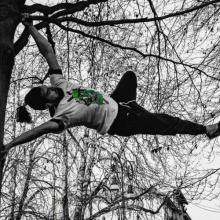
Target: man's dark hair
35,99
22,115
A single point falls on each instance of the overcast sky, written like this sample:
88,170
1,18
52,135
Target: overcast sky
204,211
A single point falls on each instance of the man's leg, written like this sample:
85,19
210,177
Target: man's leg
125,91
137,120
163,124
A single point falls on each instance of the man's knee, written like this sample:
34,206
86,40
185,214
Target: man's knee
131,77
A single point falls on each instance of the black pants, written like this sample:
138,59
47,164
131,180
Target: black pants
133,119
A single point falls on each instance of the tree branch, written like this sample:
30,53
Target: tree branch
124,21
67,8
113,207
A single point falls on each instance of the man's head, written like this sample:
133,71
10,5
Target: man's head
42,97
39,98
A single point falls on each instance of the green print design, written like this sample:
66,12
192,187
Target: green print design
87,96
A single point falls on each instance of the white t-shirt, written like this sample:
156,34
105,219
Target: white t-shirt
73,113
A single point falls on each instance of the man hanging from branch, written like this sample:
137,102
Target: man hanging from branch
71,105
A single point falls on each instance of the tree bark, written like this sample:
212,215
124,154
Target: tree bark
9,19
66,172
26,186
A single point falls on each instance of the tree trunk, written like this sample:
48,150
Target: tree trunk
26,186
66,172
9,19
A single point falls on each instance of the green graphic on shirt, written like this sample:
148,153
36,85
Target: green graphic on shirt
87,96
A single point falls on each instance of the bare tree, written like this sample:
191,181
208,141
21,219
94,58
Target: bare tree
172,46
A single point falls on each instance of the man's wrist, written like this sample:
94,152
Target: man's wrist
30,26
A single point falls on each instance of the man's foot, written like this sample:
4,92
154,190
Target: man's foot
213,131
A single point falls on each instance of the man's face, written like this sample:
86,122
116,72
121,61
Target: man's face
50,94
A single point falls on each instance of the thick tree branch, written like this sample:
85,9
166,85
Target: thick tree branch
67,8
124,21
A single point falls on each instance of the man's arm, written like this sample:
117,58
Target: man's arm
45,128
44,46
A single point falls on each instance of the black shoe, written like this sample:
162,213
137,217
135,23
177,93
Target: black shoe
213,131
